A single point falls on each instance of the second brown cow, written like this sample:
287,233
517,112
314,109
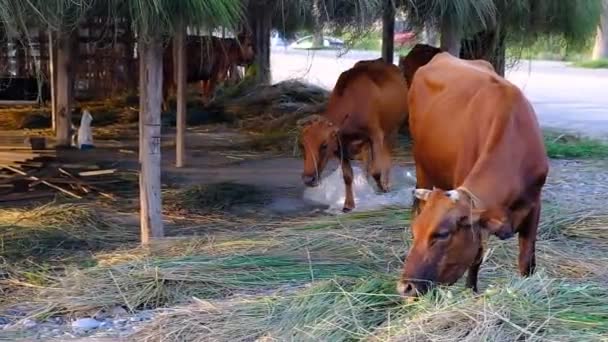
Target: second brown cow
208,60
365,111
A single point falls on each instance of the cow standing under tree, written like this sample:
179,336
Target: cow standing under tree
476,135
210,61
365,111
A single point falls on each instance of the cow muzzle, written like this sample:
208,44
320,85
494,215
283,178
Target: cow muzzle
410,290
310,181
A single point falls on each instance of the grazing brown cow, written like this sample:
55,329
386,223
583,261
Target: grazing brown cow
209,60
365,111
481,165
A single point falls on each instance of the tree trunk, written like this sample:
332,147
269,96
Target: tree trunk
64,90
53,79
260,20
180,71
317,36
450,38
600,50
489,46
150,186
388,32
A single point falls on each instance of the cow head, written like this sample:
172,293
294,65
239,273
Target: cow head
446,239
318,142
246,50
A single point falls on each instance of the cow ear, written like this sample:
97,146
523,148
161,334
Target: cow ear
422,194
499,225
472,216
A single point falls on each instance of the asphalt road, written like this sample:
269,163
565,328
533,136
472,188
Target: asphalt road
564,97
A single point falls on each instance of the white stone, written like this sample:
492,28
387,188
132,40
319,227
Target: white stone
86,323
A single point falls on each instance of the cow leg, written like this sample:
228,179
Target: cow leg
474,271
527,241
380,161
347,174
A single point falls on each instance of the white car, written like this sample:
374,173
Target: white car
328,43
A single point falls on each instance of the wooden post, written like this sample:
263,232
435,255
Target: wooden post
64,91
388,32
53,80
151,58
179,68
142,96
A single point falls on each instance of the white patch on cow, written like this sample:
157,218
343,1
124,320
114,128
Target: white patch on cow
454,195
331,191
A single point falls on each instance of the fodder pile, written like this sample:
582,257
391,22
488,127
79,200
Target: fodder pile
213,198
273,107
333,279
57,229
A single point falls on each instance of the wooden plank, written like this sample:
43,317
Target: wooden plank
25,196
96,173
67,192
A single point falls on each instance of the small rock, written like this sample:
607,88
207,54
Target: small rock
118,311
29,323
85,324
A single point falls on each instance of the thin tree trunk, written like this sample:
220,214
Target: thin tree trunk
600,50
180,71
388,32
450,38
317,36
150,185
260,20
53,80
64,91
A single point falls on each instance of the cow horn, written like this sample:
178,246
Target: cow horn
422,194
454,195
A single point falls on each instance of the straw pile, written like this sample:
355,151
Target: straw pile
57,229
271,107
333,278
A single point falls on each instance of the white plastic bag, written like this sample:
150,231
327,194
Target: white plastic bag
331,191
85,133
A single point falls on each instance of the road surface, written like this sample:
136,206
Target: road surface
564,97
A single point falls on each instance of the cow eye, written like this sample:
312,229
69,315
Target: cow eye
443,235
324,147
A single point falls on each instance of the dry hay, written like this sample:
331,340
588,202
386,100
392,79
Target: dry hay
213,198
55,229
333,278
273,107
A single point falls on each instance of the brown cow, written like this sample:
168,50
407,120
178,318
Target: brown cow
476,135
209,60
365,110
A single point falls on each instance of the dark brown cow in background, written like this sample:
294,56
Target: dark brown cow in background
481,165
365,110
209,60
